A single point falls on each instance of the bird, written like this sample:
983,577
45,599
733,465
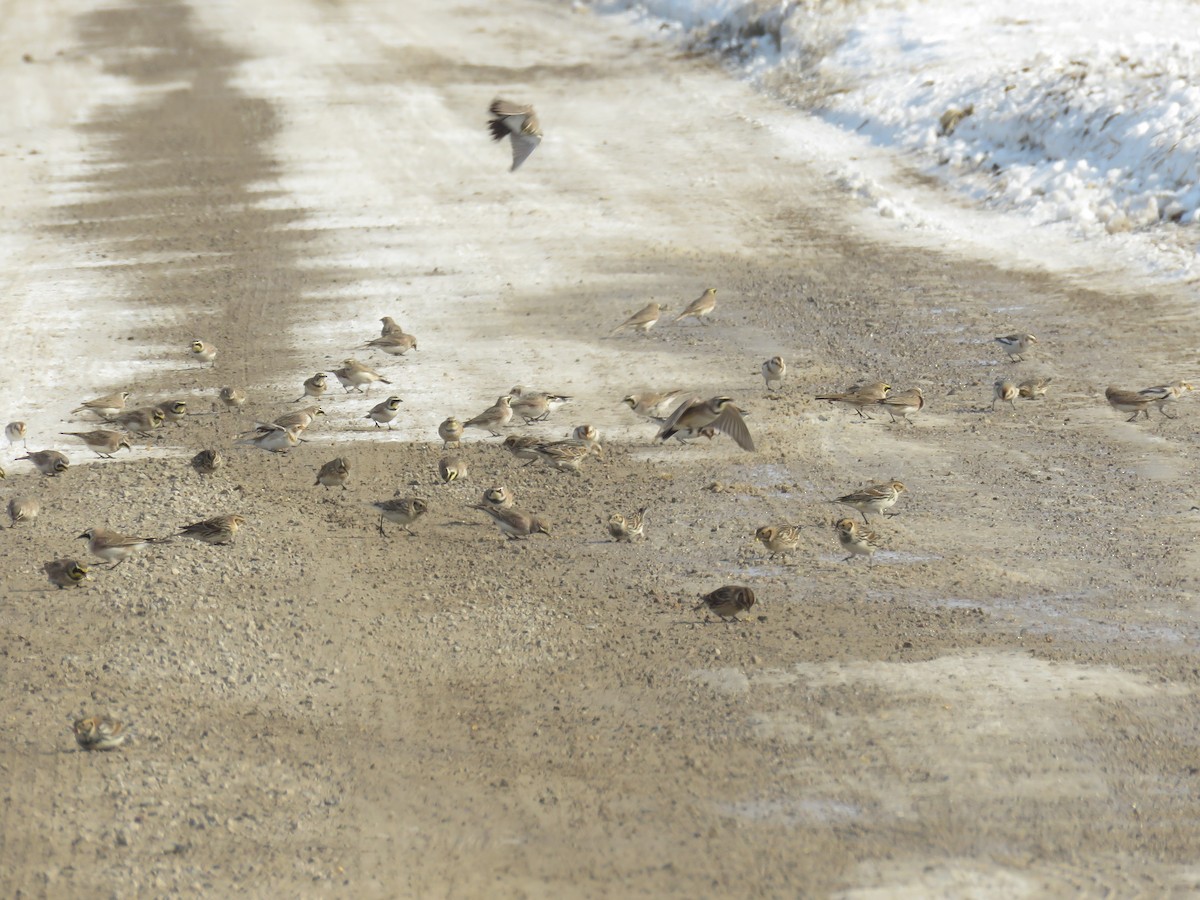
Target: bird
314,387
208,461
1128,401
904,404
1163,394
389,327
655,406
23,510
700,308
99,733
233,398
15,431
402,511
565,455
878,498
642,320
773,371
105,407
219,530
534,406
173,411
65,573
274,438
523,447
856,541
1015,345
140,421
495,416
49,462
354,374
625,528
498,496
779,538
513,523
114,547
451,468
726,602
334,473
395,343
1033,388
301,418
383,413
451,432
587,434
518,122
204,352
105,443
860,395
1004,391
694,415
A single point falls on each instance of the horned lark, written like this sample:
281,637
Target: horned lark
855,540
208,461
105,407
563,455
65,572
653,406
1163,394
23,510
173,411
99,733
401,511
779,538
395,344
860,395
15,431
273,438
334,473
522,447
233,398
451,432
314,387
535,406
354,374
1004,391
219,530
904,404
301,418
451,468
48,462
878,498
1015,345
389,327
514,523
1033,388
700,308
518,122
694,415
498,496
1128,401
383,413
114,547
495,416
726,602
773,371
204,352
642,320
625,528
104,443
140,421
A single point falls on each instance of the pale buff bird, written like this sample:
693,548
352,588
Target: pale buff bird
174,411
389,327
204,352
23,510
654,406
451,432
1004,391
334,473
218,530
99,733
49,462
1163,394
495,416
534,406
498,496
903,404
1128,402
642,320
877,499
451,468
397,343
625,528
700,308
860,395
385,413
300,419
1015,345
114,547
513,523
353,375
15,431
103,442
65,573
779,538
1033,388
232,398
141,421
855,540
773,372
726,602
105,407
208,461
314,387
273,438
694,415
518,122
402,511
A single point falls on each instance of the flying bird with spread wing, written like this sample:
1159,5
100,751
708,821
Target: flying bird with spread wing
518,122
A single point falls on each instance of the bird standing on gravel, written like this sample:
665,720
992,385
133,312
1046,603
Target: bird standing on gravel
1004,391
495,416
15,431
878,498
99,733
114,547
334,473
642,320
103,442
773,371
48,462
1015,345
860,395
728,601
700,308
219,530
204,352
402,511
383,413
518,122
354,374
513,523
65,573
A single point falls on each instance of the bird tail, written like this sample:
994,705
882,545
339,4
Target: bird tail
498,128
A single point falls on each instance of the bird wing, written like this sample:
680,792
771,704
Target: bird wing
680,410
730,422
522,145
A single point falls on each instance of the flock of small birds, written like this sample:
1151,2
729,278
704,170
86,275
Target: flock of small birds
675,414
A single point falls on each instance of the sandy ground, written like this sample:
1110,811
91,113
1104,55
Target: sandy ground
1001,706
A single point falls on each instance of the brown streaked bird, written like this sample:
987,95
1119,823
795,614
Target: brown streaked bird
522,447
334,473
498,496
495,416
1128,401
513,523
903,404
700,308
103,442
1015,345
565,455
451,468
233,398
653,406
451,432
397,343
65,573
877,499
1004,391
389,327
174,411
694,415
855,540
384,413
1033,388
15,431
23,510
642,320
354,374
860,395
726,602
204,352
520,123
208,461
779,538
49,462
314,387
625,528
105,407
141,421
218,530
1163,394
99,733
114,547
402,511
773,371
